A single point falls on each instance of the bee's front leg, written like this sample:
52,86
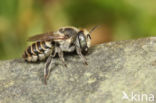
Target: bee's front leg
78,50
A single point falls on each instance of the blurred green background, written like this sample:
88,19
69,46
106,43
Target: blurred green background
120,19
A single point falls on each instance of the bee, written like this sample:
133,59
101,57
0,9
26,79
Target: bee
65,39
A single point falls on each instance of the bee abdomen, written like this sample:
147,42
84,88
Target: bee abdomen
38,51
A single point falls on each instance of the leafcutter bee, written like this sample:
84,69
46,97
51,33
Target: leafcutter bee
65,39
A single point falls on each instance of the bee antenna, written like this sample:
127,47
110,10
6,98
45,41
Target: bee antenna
93,29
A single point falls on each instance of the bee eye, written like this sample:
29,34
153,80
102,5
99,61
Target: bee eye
88,36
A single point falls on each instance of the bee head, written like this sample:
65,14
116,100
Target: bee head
84,39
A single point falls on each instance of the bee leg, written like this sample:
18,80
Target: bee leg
78,50
60,54
47,69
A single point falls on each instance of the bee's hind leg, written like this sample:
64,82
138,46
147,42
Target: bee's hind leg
60,54
78,50
47,67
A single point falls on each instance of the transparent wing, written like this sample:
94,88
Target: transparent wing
46,36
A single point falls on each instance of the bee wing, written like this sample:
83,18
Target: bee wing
46,36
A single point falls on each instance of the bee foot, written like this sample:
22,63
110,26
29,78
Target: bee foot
45,80
85,63
65,65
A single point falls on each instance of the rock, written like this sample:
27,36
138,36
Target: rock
117,72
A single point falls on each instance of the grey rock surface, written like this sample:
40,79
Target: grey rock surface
115,70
